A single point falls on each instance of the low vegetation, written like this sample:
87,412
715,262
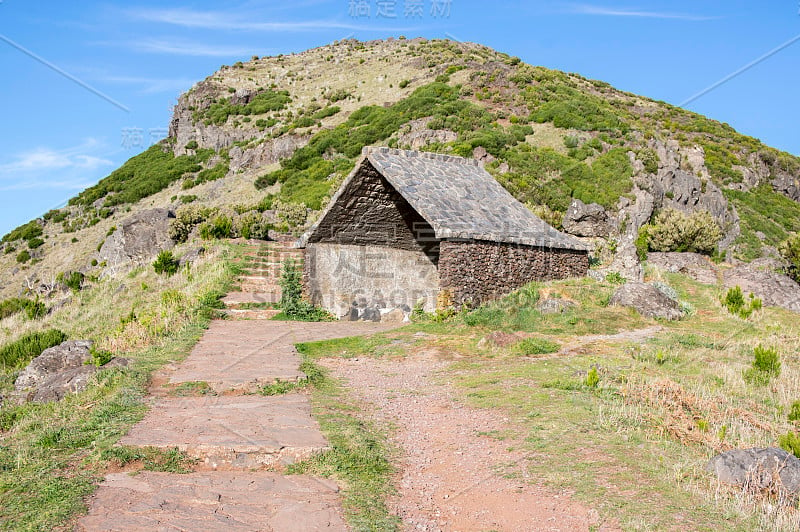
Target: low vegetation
293,306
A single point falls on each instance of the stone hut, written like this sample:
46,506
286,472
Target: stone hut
410,227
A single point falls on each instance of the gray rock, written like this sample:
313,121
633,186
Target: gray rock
774,289
586,220
694,265
554,306
371,314
416,134
394,316
139,239
647,300
191,256
57,386
67,356
117,362
266,153
758,469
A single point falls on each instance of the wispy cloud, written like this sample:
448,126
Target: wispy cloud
185,47
46,168
604,11
225,20
151,85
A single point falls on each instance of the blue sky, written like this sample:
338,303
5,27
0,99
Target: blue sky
87,85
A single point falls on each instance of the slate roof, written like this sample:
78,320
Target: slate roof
459,199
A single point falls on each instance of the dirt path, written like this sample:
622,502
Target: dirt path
452,474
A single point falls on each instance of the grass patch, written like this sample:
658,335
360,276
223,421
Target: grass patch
151,458
359,455
19,353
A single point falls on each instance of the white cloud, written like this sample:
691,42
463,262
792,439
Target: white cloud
151,85
184,47
224,20
589,9
46,168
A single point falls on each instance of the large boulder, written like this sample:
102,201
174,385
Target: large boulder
647,300
758,469
57,386
586,220
139,239
69,355
774,289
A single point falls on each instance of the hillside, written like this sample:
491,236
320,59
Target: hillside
279,133
555,397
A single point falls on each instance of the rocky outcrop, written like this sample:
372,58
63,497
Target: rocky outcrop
555,305
67,356
647,300
268,152
774,289
60,371
694,265
586,220
758,469
140,238
416,134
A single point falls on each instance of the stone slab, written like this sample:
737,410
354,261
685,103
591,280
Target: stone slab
244,355
241,298
213,501
240,431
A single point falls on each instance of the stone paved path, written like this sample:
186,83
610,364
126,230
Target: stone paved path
235,438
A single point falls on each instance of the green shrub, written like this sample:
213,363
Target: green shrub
794,412
191,145
790,251
592,378
218,228
537,346
72,280
642,243
186,219
294,214
23,256
33,309
736,304
29,231
649,158
293,306
674,230
34,243
166,263
262,103
100,357
141,176
766,366
19,353
790,442
405,83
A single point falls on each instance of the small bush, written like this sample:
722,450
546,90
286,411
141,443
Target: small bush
191,145
218,228
734,301
293,306
33,309
615,278
35,243
294,214
676,231
794,412
790,251
766,366
790,442
166,263
23,256
72,280
537,346
100,357
19,353
592,378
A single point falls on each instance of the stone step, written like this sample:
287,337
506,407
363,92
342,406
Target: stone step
234,299
250,314
233,432
246,355
214,501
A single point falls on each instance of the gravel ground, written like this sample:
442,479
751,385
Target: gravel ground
452,476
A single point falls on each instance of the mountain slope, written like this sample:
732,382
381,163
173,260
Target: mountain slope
279,133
